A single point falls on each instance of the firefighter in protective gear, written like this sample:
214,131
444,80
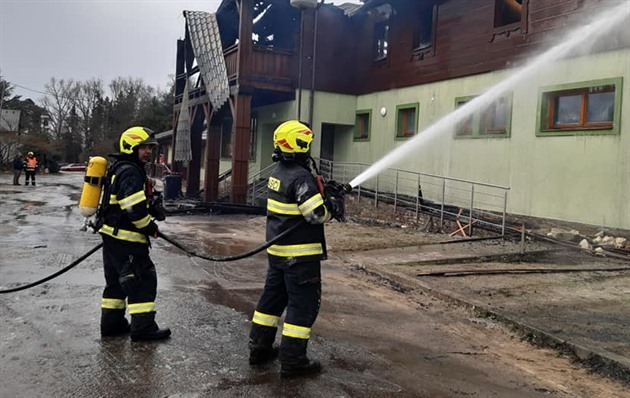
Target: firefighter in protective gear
126,229
293,279
30,167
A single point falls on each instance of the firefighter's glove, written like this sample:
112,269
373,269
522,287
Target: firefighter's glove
156,208
334,200
129,276
335,206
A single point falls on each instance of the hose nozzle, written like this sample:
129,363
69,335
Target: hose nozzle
346,188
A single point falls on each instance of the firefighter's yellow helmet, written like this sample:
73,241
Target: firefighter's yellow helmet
293,137
134,137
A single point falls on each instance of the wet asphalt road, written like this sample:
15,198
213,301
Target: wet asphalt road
50,344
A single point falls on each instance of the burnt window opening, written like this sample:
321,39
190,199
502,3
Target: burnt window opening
381,32
275,25
507,12
424,32
381,16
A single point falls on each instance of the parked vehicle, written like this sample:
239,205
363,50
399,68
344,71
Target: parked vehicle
74,167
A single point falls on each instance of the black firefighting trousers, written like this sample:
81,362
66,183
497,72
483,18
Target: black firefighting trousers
296,287
115,255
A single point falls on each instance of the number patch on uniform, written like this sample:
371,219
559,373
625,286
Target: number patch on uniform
273,184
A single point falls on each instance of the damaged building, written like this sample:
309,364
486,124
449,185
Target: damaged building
373,77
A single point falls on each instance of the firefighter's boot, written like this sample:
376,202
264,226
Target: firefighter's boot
144,328
293,359
261,348
113,322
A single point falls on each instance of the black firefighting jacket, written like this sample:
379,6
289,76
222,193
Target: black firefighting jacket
294,198
126,216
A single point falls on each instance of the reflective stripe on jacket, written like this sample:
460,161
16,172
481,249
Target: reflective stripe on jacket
294,198
127,215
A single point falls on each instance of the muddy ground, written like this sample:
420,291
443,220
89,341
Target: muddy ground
383,331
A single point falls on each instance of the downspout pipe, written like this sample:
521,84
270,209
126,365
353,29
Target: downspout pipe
299,85
312,94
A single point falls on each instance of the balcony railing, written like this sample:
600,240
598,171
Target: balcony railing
266,64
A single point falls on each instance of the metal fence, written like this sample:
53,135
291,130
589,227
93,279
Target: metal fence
469,202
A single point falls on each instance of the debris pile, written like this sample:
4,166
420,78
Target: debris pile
599,243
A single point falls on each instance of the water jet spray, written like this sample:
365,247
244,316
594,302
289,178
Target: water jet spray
588,34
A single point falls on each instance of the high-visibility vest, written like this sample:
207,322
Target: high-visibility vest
31,163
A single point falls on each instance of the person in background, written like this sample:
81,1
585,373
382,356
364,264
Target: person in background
125,226
18,164
293,279
30,168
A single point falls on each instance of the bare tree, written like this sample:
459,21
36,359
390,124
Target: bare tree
87,95
58,103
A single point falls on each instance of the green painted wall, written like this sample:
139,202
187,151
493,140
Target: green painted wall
583,179
573,178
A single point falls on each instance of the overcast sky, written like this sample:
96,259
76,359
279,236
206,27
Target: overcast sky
82,39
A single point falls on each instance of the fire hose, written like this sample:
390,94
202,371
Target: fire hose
91,194
236,256
169,240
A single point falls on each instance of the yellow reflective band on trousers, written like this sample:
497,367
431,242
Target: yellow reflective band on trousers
265,319
308,249
142,222
131,200
295,331
113,304
290,209
123,234
314,202
141,308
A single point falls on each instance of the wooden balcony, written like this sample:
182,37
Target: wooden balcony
271,68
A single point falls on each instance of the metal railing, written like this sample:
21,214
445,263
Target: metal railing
257,185
469,202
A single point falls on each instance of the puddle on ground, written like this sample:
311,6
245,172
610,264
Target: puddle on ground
217,294
222,248
29,204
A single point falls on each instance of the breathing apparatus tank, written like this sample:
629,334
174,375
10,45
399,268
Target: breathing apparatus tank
92,186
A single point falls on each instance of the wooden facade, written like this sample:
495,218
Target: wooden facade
329,50
466,42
